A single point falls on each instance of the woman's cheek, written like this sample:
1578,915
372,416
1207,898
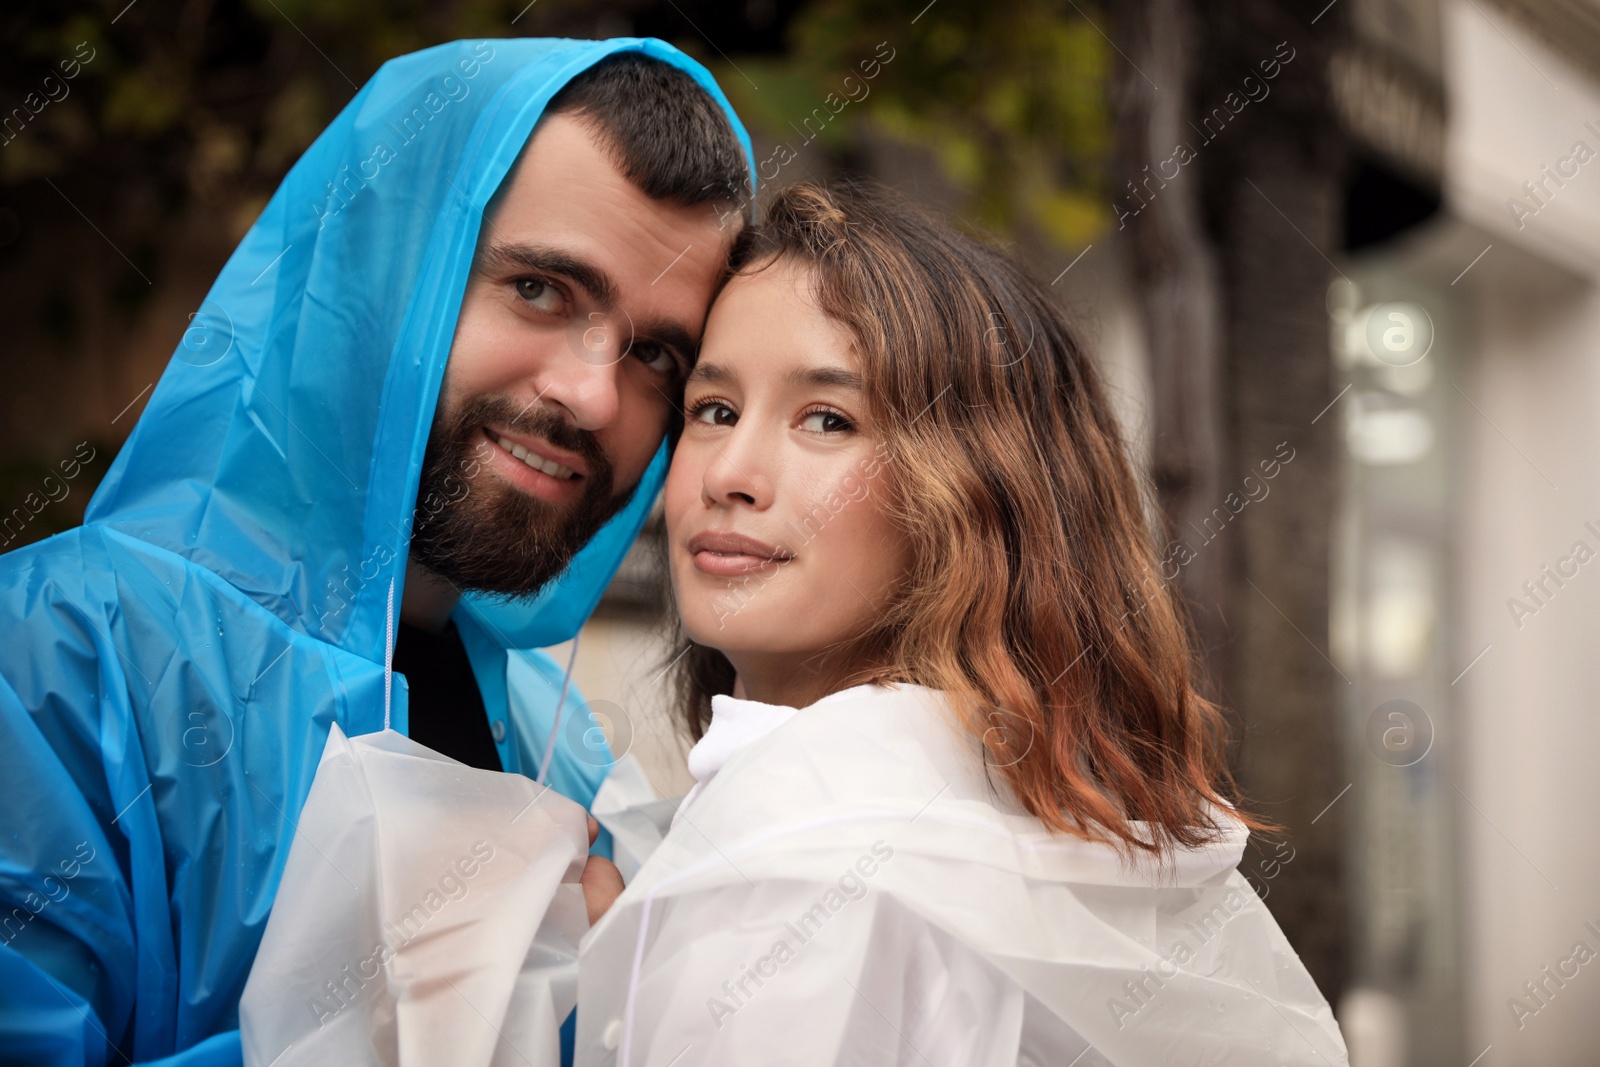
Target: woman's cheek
681,488
876,546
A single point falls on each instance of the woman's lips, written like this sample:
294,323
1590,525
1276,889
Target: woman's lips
729,555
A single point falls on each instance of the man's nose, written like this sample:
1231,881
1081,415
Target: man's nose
584,379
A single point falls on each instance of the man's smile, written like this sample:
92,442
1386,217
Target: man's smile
536,466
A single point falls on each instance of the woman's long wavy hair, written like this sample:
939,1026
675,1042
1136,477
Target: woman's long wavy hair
1034,598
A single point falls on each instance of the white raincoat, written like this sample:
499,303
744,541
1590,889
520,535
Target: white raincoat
848,888
843,886
429,914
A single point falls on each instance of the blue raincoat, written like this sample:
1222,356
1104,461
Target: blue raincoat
170,669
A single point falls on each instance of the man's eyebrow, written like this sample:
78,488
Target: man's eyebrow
594,281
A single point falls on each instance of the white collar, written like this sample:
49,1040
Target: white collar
737,723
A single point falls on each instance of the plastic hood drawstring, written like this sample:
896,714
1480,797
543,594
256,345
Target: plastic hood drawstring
561,706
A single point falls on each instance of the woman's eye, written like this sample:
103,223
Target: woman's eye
713,413
540,294
825,422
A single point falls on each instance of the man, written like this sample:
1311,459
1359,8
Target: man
310,476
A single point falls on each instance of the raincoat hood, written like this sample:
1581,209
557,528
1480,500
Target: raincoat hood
283,446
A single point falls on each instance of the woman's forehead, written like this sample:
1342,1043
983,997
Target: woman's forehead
767,324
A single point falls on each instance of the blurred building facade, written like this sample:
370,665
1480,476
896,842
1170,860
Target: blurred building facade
1468,346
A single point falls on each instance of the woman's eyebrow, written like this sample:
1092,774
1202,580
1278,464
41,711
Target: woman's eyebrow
839,376
710,372
813,376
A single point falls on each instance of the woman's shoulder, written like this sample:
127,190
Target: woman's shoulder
876,801
893,763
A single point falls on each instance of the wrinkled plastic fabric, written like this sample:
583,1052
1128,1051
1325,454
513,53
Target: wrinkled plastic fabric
627,806
850,890
172,669
429,913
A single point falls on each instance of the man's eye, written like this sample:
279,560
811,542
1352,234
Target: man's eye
658,358
540,294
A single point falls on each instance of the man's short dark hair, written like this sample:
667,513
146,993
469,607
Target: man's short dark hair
662,130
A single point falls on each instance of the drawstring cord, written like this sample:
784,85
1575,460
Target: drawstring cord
561,704
388,658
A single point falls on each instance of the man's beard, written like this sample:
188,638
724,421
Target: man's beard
482,534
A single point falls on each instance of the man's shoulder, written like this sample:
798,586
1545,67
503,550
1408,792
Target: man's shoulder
99,572
76,544
70,573
94,575
94,603
81,560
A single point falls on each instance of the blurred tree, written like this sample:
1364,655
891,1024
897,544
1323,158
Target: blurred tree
1231,242
1010,98
208,105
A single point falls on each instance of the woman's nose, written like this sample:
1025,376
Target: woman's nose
738,471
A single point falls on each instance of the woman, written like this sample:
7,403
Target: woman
957,798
